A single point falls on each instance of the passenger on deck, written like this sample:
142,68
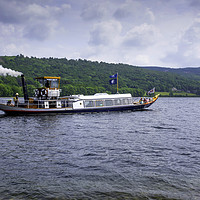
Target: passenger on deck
16,99
47,85
9,102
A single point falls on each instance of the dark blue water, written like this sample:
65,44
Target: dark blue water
152,154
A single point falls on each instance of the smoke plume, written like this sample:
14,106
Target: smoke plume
5,71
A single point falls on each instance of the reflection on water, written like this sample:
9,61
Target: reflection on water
153,154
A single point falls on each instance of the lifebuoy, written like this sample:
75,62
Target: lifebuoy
43,92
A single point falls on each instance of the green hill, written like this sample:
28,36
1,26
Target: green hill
188,72
86,77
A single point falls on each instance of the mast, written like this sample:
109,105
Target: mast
117,83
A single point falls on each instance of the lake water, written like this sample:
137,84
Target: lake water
153,154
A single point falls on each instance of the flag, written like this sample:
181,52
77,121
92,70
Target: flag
151,91
113,81
113,76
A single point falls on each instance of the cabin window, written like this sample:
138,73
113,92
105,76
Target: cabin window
125,101
54,83
129,101
117,102
99,103
89,104
49,83
108,102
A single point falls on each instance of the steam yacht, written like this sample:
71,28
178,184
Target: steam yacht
47,99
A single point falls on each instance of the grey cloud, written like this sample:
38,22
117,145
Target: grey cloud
179,60
192,35
37,32
93,12
10,12
134,42
188,49
105,33
35,20
98,37
121,13
141,36
134,12
195,3
109,29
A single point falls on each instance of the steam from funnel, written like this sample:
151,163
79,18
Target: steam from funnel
6,71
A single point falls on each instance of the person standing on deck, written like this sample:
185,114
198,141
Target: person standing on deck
16,99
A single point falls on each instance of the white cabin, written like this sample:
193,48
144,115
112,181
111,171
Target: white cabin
101,100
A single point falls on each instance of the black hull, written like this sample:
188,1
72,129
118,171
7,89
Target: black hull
12,110
71,111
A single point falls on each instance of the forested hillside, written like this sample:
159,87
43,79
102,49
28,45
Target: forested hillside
189,72
86,77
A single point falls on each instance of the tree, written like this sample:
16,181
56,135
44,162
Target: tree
171,94
87,77
69,90
31,90
5,91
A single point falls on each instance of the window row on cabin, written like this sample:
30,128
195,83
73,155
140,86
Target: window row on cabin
109,102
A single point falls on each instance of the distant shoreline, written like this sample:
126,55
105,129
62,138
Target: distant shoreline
161,96
176,94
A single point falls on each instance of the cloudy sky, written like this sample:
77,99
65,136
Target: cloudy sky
137,32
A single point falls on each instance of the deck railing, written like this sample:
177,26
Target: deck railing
37,103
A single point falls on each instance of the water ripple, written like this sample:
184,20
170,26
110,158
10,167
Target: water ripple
122,155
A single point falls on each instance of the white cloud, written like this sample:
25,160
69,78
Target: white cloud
7,30
135,12
141,36
38,31
10,12
37,21
105,33
93,12
135,32
150,15
188,47
139,59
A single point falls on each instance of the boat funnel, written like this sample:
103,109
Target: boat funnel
24,88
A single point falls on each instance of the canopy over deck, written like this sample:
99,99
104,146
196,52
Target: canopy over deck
49,82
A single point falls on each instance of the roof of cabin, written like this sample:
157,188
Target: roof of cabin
104,96
48,77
